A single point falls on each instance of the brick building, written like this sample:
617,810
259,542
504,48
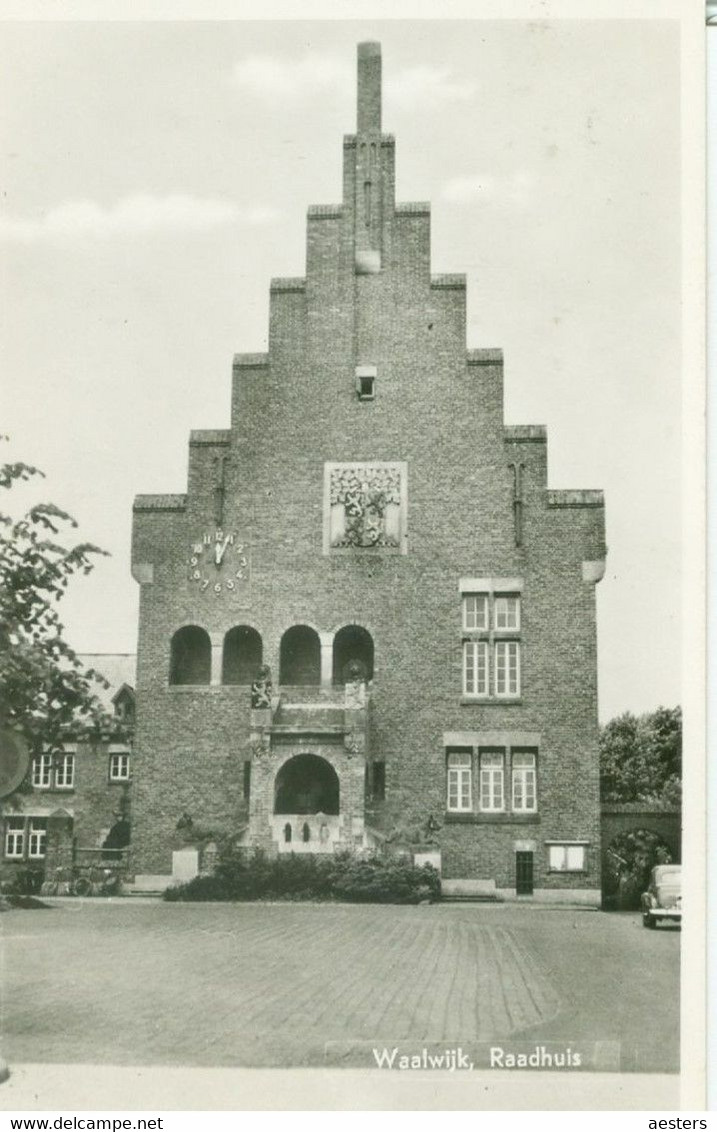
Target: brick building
76,799
370,529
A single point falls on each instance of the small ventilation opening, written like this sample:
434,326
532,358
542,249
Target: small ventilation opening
366,382
366,389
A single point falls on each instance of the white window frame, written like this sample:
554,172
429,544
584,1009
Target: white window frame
564,857
476,656
459,782
524,782
119,770
503,688
476,613
37,839
65,771
15,838
507,608
492,782
42,772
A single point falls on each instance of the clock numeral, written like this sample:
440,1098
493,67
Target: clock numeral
196,575
240,573
197,548
194,560
204,584
230,584
207,540
217,587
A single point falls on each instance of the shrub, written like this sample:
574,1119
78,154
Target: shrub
308,876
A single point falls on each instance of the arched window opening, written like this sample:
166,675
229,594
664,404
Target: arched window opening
306,784
305,832
191,656
300,656
241,655
353,652
287,832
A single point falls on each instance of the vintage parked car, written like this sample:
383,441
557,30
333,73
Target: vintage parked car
663,899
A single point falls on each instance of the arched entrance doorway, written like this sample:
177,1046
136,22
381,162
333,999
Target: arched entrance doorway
352,645
300,656
627,863
306,784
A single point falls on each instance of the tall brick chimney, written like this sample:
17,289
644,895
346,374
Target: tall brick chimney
369,195
368,102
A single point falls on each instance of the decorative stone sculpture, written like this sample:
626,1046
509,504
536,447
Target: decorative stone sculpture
365,493
261,688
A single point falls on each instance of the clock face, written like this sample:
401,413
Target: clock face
218,562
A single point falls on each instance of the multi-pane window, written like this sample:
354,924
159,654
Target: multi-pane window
37,840
459,781
507,668
475,611
15,837
506,612
566,858
42,772
491,645
476,672
64,771
524,791
119,766
492,795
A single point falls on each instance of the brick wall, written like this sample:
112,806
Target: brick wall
439,409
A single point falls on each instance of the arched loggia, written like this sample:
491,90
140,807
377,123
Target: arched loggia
353,649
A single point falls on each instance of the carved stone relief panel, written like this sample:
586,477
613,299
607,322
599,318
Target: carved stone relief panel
365,507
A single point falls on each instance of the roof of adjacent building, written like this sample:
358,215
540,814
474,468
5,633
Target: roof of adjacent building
118,668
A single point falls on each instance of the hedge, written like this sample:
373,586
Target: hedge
307,876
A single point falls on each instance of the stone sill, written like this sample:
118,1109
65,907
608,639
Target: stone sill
452,818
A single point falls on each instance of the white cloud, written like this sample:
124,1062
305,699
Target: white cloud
270,77
515,189
424,85
132,215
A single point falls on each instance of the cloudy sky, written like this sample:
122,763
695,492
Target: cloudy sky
155,177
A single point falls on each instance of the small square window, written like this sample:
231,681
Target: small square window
475,611
507,612
119,767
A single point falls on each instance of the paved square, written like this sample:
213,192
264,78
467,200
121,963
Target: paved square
271,984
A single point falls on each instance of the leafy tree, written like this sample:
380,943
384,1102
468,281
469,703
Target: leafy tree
45,691
629,861
641,757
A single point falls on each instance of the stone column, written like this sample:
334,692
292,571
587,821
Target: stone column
217,640
327,659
